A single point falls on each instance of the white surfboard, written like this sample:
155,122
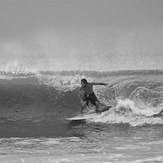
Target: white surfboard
87,115
83,117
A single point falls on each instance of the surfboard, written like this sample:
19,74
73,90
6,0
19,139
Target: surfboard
87,116
82,117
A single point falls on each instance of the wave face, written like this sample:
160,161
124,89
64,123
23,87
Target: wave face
136,96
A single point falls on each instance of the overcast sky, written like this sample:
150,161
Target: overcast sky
82,34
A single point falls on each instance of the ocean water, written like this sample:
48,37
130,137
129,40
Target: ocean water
34,105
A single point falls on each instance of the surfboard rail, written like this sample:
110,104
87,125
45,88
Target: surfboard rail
86,116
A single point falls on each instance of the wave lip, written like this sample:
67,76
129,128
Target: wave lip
125,112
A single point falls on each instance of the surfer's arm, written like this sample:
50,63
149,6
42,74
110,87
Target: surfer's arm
99,83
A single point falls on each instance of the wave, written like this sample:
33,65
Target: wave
126,112
28,100
136,98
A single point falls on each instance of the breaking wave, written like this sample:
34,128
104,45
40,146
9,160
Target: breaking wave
136,98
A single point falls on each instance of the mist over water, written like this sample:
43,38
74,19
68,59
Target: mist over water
99,48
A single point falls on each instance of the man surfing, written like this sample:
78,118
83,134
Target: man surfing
87,94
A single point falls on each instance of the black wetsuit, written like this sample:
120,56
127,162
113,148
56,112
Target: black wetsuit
90,98
88,94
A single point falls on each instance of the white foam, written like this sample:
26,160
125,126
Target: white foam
59,82
153,159
125,113
152,142
16,68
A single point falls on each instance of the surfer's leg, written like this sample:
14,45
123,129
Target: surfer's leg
93,99
84,105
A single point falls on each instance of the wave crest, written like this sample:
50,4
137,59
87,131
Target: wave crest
16,68
126,112
135,99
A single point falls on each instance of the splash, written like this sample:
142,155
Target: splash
16,68
62,82
126,112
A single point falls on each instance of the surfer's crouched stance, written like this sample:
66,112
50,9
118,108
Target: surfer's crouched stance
87,94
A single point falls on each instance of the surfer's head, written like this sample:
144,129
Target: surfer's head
83,82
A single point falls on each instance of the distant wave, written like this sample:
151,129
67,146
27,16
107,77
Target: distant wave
16,69
45,96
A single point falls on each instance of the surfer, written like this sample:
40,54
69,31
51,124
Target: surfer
87,94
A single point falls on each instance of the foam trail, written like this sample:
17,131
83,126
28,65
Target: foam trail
125,112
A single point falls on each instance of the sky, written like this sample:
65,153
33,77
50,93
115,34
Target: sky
99,35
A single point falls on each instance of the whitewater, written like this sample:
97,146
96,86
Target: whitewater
34,106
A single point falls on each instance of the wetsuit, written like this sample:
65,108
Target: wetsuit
88,95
